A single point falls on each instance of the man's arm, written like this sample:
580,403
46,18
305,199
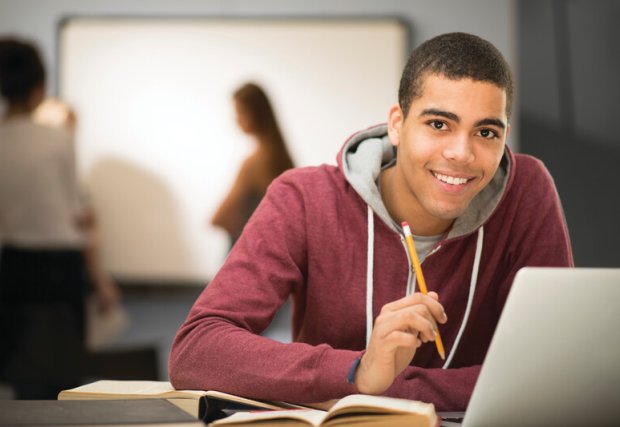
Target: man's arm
219,346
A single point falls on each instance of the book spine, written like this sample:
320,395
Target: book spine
215,409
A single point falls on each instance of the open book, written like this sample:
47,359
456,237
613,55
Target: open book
356,409
203,404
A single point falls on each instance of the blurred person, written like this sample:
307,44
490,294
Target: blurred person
48,237
53,112
256,118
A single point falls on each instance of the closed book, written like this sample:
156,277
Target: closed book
147,412
206,405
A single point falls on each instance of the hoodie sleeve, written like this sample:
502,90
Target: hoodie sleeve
219,345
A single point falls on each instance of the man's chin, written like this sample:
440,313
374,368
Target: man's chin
449,213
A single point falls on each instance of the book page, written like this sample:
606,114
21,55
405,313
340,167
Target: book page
380,404
310,416
127,389
191,406
120,389
359,407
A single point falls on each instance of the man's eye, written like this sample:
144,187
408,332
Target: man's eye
487,133
439,125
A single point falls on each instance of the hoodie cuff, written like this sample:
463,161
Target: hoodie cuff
336,368
353,368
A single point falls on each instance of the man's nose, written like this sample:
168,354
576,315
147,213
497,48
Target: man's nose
459,149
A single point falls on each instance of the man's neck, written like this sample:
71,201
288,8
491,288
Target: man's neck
402,206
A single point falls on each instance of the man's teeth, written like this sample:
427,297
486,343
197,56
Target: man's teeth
450,179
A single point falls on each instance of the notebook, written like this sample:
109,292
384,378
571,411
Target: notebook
555,356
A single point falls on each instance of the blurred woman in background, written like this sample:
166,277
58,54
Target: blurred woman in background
256,118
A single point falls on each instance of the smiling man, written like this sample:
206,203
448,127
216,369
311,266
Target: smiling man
330,237
450,144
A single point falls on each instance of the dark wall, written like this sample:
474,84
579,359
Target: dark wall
569,92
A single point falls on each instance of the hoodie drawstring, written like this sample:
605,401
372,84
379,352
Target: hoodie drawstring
470,298
369,272
369,285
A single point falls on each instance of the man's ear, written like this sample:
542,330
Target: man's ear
395,123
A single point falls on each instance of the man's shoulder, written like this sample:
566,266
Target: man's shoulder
529,167
311,175
531,177
324,183
528,161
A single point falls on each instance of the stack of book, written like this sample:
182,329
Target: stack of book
222,409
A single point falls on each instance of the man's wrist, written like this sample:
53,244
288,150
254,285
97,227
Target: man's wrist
353,370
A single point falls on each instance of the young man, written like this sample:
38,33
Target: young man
331,238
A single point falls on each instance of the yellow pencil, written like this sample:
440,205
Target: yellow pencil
417,268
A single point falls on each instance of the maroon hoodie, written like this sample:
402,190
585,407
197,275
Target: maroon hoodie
311,237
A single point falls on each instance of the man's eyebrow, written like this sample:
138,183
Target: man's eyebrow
491,121
441,113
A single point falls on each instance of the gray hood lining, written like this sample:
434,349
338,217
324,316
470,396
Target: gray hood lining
367,152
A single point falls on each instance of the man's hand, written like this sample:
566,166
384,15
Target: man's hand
401,327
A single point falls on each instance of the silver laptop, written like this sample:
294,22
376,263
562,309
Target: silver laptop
555,357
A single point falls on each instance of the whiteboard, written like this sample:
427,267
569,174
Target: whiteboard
157,142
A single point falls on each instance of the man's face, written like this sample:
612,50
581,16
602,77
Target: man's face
449,146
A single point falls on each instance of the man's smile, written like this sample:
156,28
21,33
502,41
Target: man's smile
453,180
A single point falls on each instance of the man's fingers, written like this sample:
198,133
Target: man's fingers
416,298
431,301
396,339
416,318
401,327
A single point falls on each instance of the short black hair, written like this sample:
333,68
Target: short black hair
21,69
455,56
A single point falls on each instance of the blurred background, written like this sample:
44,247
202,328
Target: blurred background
150,82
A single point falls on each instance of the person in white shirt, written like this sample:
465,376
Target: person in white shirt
46,262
